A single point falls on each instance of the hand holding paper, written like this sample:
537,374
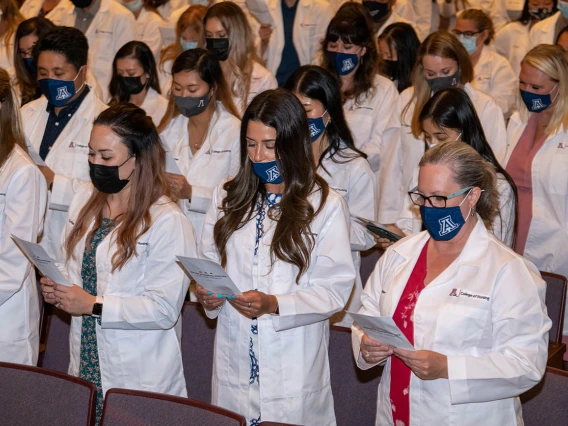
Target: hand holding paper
382,329
46,265
209,275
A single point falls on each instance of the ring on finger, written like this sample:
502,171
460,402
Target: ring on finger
367,354
205,302
250,304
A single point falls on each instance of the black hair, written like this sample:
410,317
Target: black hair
453,109
402,39
319,84
67,41
142,53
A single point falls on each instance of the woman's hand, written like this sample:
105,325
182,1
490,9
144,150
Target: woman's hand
74,299
384,243
254,303
264,34
179,186
48,290
427,365
208,299
374,351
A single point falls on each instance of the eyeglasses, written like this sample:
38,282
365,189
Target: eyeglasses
466,33
436,201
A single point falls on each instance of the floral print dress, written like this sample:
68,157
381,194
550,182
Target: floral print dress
89,367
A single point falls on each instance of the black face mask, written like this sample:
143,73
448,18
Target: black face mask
81,4
106,178
218,47
377,10
440,83
131,85
541,13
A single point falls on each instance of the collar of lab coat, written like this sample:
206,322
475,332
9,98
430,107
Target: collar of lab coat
472,254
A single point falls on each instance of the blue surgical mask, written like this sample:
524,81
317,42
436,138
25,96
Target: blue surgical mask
58,92
30,65
443,224
317,127
563,8
187,45
537,103
469,42
133,6
267,172
344,63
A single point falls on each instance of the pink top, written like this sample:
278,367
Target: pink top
520,169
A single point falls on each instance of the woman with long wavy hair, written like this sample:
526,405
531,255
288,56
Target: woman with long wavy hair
10,18
120,245
283,237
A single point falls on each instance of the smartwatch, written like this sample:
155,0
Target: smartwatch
97,308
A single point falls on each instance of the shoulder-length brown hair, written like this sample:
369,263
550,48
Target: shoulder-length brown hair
147,184
292,242
209,70
445,45
10,127
12,16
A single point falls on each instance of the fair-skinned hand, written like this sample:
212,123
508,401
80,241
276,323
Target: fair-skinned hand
48,290
48,174
264,32
208,299
374,351
179,186
427,365
384,243
74,299
260,303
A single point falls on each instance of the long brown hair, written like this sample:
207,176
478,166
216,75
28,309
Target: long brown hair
209,70
10,126
242,52
444,45
11,14
147,184
293,241
192,17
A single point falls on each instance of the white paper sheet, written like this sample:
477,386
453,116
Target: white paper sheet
46,265
209,275
382,329
259,9
34,154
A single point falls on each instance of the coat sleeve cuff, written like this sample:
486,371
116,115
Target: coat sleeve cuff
457,377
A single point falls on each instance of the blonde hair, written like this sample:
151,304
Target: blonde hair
468,169
242,52
552,61
10,14
10,124
445,45
191,18
482,22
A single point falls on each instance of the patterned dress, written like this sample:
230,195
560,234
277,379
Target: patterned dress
89,368
254,380
404,319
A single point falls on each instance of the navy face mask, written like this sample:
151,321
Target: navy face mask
317,127
267,172
58,92
343,63
30,65
443,224
537,103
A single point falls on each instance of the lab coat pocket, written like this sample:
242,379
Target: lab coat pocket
78,153
460,327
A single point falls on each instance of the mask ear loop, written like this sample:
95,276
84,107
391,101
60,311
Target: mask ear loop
84,83
557,93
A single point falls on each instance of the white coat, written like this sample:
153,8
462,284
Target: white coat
410,150
31,9
310,25
155,106
423,17
261,80
368,117
148,26
23,197
513,42
216,160
139,333
547,241
494,333
112,27
393,19
67,159
357,184
494,76
544,32
292,356
169,7
410,222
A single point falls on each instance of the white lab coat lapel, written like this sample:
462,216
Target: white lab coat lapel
276,44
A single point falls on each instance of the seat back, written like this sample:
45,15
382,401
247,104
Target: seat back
354,390
34,396
546,403
125,407
369,260
275,424
56,355
555,303
198,336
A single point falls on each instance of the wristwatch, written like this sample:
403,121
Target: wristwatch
97,308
